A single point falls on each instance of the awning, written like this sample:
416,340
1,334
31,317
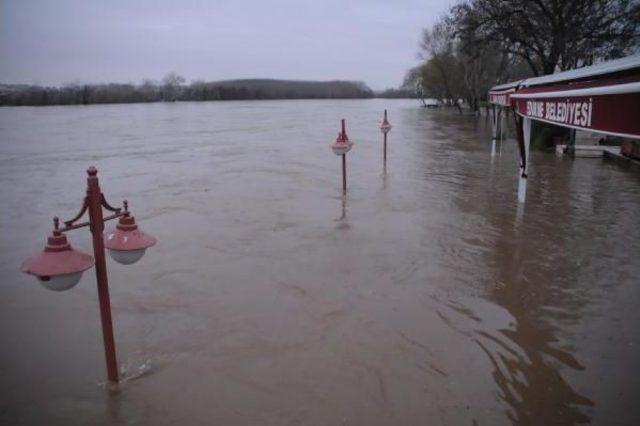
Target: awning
603,98
608,107
500,95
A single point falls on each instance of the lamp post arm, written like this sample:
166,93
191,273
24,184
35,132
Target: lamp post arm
71,223
83,210
106,205
83,224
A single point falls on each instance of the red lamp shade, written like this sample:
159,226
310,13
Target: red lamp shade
342,145
385,126
58,267
127,244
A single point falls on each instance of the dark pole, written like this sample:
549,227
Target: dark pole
384,155
494,122
344,172
96,225
344,159
521,147
384,150
571,146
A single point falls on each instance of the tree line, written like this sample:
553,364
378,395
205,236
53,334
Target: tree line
481,43
173,88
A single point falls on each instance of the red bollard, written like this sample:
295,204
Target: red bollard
341,146
385,127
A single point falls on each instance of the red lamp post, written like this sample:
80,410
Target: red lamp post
341,146
385,127
59,267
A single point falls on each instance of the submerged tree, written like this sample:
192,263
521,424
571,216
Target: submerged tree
455,69
441,73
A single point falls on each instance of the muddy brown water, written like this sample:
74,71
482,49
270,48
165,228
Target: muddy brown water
425,296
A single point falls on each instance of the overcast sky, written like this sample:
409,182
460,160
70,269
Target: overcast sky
61,41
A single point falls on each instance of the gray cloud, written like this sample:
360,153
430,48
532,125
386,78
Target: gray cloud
56,42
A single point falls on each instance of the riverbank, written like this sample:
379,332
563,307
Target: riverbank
173,90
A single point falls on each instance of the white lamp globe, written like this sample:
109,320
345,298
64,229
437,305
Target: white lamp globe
58,267
60,282
127,257
127,244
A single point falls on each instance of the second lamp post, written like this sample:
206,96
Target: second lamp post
59,267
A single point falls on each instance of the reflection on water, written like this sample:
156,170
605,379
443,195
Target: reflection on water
343,222
539,272
534,389
425,295
527,363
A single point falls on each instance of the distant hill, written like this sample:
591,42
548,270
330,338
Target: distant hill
12,87
172,90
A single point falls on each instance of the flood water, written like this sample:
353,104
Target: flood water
425,296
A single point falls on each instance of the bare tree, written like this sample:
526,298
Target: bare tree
171,86
550,34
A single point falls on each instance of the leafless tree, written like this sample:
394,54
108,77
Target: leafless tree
551,34
171,86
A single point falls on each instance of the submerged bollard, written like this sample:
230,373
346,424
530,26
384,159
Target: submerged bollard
384,128
341,146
